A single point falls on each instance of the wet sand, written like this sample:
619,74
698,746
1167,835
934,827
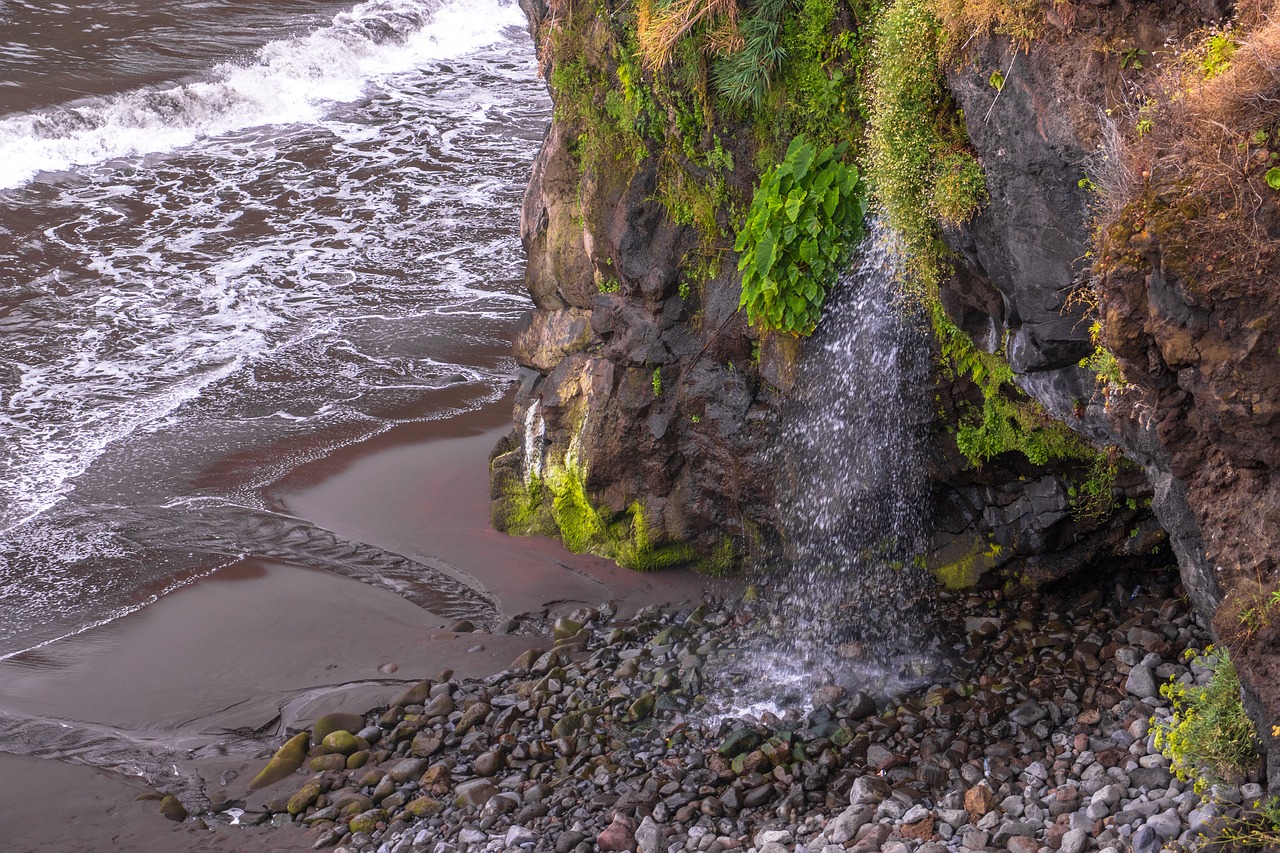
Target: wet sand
250,651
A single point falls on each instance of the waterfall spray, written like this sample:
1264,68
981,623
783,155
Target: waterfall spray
852,604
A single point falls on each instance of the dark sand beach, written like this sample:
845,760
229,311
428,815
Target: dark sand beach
210,675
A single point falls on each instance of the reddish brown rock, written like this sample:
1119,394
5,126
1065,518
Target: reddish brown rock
619,835
979,800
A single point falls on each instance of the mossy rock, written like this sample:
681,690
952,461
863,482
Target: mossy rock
356,760
415,695
331,723
321,763
284,763
341,741
424,807
641,708
304,799
367,822
567,725
171,808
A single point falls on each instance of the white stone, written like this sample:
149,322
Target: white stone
1074,841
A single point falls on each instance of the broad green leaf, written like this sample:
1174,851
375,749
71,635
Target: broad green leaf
803,159
829,203
766,253
793,205
808,251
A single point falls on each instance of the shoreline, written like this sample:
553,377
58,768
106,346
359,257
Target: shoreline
259,647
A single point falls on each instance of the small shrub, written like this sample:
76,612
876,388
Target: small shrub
921,169
959,188
801,226
1209,739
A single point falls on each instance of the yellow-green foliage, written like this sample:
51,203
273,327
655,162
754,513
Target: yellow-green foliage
556,504
1008,420
965,571
921,169
1209,739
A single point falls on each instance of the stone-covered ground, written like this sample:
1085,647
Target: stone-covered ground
1036,738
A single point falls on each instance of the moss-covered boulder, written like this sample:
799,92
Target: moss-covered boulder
171,808
321,763
284,763
305,798
367,822
424,807
331,723
340,741
415,695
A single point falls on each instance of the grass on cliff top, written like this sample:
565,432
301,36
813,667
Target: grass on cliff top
1193,171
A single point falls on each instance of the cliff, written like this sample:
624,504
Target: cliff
648,403
1111,274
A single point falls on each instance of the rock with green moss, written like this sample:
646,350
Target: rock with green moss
341,741
334,761
424,807
304,798
415,695
330,723
171,808
367,822
284,763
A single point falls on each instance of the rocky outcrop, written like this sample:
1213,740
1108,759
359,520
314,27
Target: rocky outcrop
1035,137
638,401
1199,346
647,409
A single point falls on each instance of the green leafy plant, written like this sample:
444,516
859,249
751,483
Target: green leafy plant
1273,177
1209,739
609,285
657,382
803,221
1218,49
1131,57
1008,420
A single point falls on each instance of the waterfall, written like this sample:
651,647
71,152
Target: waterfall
851,605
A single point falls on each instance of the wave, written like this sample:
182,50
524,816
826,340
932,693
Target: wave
288,81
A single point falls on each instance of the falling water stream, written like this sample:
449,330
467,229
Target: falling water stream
851,606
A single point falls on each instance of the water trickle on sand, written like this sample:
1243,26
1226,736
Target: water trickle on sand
852,607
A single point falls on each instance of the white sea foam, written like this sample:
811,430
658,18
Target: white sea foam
290,81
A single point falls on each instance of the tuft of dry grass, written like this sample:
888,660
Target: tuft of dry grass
660,27
1191,169
965,20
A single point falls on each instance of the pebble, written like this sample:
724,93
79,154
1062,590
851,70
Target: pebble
1027,741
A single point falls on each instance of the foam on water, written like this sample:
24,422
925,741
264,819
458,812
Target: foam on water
269,292
289,81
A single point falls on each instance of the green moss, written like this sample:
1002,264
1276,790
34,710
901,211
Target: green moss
722,562
556,504
966,570
1008,421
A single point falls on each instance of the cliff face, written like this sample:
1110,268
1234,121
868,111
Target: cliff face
1185,289
640,404
1027,252
648,407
